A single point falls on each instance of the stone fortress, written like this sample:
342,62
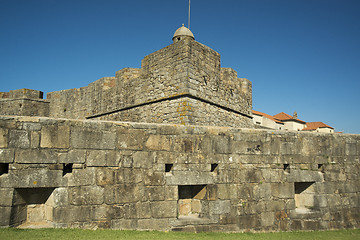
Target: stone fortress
170,146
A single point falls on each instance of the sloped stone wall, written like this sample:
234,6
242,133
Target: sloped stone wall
172,177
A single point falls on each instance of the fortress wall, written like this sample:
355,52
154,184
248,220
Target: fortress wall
24,102
163,176
185,111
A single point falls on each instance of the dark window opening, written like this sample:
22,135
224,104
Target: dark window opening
168,167
287,168
305,197
192,201
214,167
67,168
4,168
321,167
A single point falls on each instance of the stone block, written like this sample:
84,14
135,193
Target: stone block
297,175
132,175
123,193
143,159
164,209
71,214
152,178
158,142
81,177
282,190
143,210
221,144
36,156
155,193
171,193
59,197
106,158
3,138
153,224
7,155
73,156
34,139
267,219
30,178
92,139
248,222
5,216
124,224
105,176
86,195
54,136
189,178
6,197
219,207
19,139
132,139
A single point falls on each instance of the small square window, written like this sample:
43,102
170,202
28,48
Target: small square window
214,167
4,168
168,167
286,168
67,168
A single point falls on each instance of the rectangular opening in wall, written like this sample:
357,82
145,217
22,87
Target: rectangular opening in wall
304,197
67,168
4,168
321,167
38,206
168,167
286,168
191,200
214,167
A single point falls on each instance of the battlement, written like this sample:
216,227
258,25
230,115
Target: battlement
181,83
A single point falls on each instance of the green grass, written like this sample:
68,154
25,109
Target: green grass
73,234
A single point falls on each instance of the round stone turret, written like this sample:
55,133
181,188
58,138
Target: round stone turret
181,33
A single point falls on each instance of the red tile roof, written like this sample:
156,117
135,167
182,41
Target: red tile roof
267,116
315,125
286,117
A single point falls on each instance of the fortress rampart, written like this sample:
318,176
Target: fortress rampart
87,173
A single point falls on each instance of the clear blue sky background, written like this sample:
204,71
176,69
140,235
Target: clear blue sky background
301,55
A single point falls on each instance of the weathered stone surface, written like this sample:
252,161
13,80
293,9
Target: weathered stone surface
158,142
19,139
3,138
129,187
6,155
102,158
73,156
36,156
92,139
86,195
282,190
55,136
6,197
164,209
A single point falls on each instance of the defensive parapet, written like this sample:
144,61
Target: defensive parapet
181,83
90,174
23,102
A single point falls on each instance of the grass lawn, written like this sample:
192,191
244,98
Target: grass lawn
59,234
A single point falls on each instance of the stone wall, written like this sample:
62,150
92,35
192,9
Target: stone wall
183,69
23,102
83,173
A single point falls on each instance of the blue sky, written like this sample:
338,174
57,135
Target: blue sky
301,55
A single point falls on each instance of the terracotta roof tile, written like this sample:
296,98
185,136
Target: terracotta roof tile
286,117
315,125
267,116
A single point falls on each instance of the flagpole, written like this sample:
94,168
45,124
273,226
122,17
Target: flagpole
189,16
